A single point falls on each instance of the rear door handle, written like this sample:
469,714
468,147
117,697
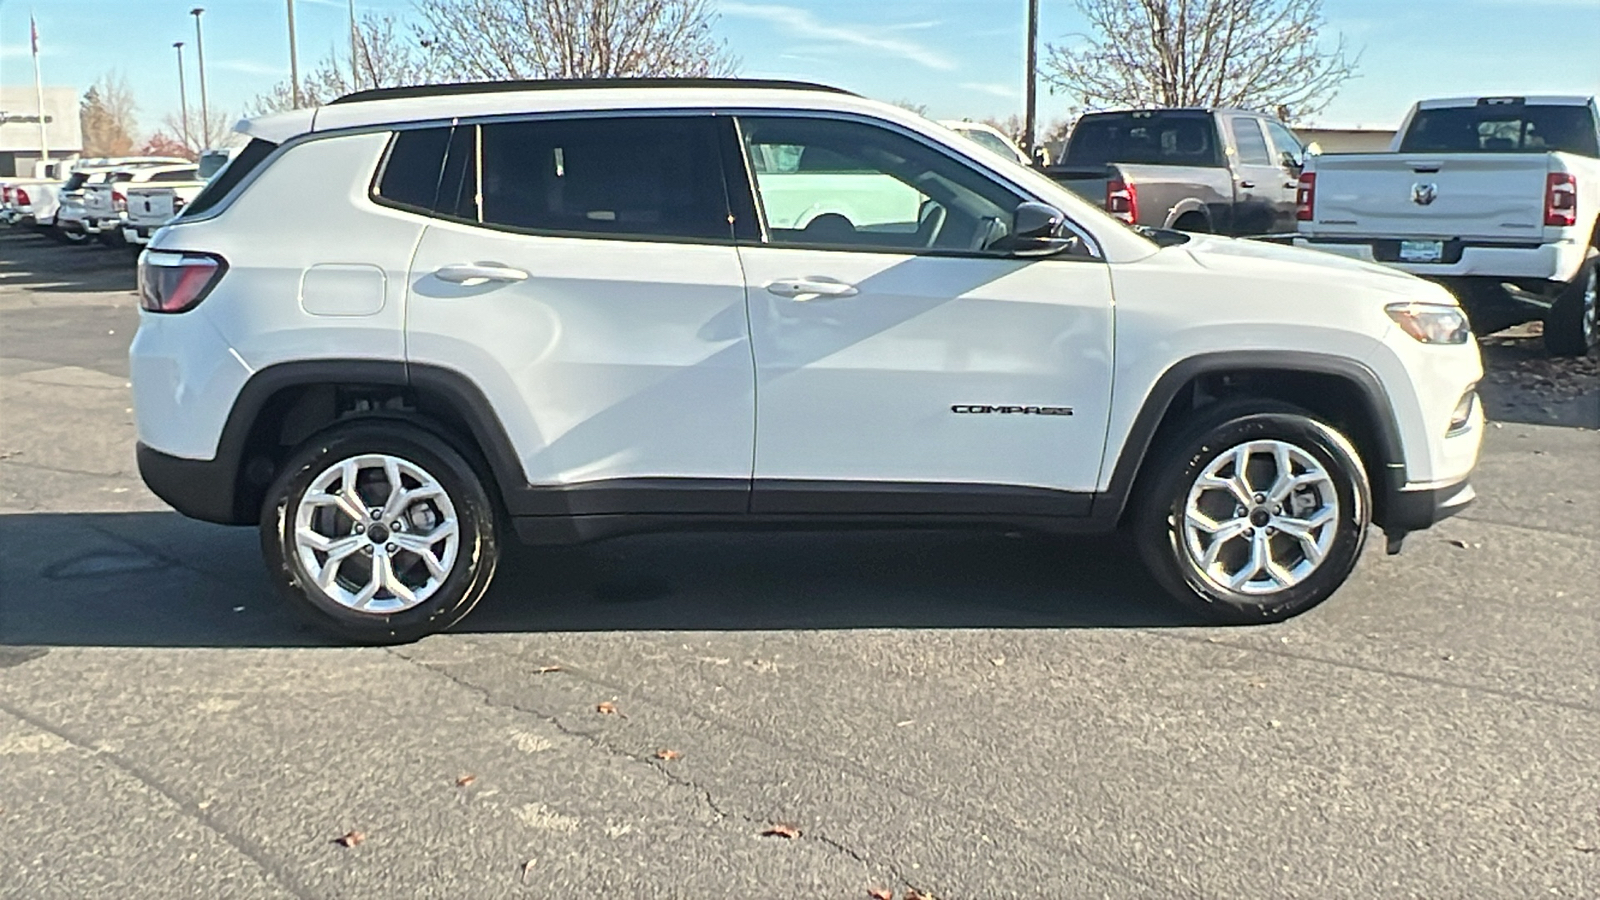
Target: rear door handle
470,274
802,289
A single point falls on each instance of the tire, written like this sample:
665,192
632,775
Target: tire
1169,546
68,237
1489,308
304,497
1569,328
1193,223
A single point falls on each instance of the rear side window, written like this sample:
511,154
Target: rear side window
644,176
175,175
1252,146
252,156
410,176
1502,127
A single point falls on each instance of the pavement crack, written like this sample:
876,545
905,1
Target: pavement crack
704,793
246,847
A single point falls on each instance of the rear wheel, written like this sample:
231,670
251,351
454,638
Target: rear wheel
1260,514
68,237
380,532
1193,223
1569,328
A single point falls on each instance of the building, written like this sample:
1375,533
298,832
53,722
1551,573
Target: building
1348,140
19,126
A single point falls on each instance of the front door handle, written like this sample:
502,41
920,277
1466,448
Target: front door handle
1247,184
802,289
470,274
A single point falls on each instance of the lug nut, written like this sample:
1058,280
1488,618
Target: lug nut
1271,530
360,528
1261,498
399,525
393,548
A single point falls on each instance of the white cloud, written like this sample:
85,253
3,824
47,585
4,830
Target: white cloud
801,23
249,67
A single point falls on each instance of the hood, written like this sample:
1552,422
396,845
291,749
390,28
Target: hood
1246,257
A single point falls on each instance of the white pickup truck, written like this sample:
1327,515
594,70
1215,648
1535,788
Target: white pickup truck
1494,197
105,203
152,205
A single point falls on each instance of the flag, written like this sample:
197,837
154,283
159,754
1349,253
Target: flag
33,30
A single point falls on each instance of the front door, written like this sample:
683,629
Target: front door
903,365
587,282
1258,188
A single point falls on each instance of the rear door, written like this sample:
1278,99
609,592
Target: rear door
1258,189
586,280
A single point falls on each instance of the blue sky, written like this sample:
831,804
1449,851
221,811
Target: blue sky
959,57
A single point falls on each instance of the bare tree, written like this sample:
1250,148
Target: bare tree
198,136
485,40
1260,54
107,116
385,57
920,109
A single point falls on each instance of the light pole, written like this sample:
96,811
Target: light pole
200,53
294,61
355,74
183,94
1030,116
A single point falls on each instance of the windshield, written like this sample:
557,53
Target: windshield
1502,128
989,141
1176,138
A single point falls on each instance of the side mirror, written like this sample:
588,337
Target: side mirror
1313,149
1038,229
1288,161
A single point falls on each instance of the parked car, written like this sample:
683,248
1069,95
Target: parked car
1216,171
26,196
989,138
71,220
151,205
105,203
559,312
1497,198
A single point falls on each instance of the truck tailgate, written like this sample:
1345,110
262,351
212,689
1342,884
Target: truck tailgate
1457,195
151,206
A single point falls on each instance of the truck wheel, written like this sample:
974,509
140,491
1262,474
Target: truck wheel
1488,307
1569,328
1259,513
1193,223
68,237
379,532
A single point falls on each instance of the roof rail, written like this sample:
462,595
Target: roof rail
567,84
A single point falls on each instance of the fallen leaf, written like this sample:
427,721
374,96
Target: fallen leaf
914,894
350,839
1457,542
526,868
606,709
668,754
880,893
783,831
545,670
1587,849
466,780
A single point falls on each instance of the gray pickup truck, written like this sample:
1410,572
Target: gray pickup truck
1220,171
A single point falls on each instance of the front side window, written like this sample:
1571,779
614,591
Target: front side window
1288,145
643,176
852,185
1252,146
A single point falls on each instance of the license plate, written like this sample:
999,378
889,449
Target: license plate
1421,251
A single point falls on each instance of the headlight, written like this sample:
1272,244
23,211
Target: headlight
1430,323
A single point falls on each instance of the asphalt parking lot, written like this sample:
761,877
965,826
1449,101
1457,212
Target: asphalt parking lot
787,716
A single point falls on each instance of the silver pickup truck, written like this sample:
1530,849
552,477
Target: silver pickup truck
1219,171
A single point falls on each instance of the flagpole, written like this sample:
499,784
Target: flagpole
38,88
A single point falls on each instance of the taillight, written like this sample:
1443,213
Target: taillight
22,197
119,201
177,205
1561,200
5,194
1305,197
1122,200
172,282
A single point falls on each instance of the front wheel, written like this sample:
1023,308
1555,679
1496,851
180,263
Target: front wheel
1260,514
380,532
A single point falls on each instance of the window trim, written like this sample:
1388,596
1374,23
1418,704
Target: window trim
1097,254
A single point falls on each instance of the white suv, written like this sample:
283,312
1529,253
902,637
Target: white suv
397,327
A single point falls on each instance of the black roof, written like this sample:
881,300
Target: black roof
563,84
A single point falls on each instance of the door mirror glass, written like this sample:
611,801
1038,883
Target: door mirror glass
1289,162
1038,229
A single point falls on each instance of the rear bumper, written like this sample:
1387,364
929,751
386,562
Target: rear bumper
1507,261
198,488
136,235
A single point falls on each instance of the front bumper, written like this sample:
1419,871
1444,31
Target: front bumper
1420,508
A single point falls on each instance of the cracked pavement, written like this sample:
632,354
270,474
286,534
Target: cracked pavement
970,715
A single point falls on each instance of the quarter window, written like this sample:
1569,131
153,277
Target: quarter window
410,176
851,185
1252,146
658,176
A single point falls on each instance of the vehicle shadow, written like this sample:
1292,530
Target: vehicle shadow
153,579
1523,384
32,260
